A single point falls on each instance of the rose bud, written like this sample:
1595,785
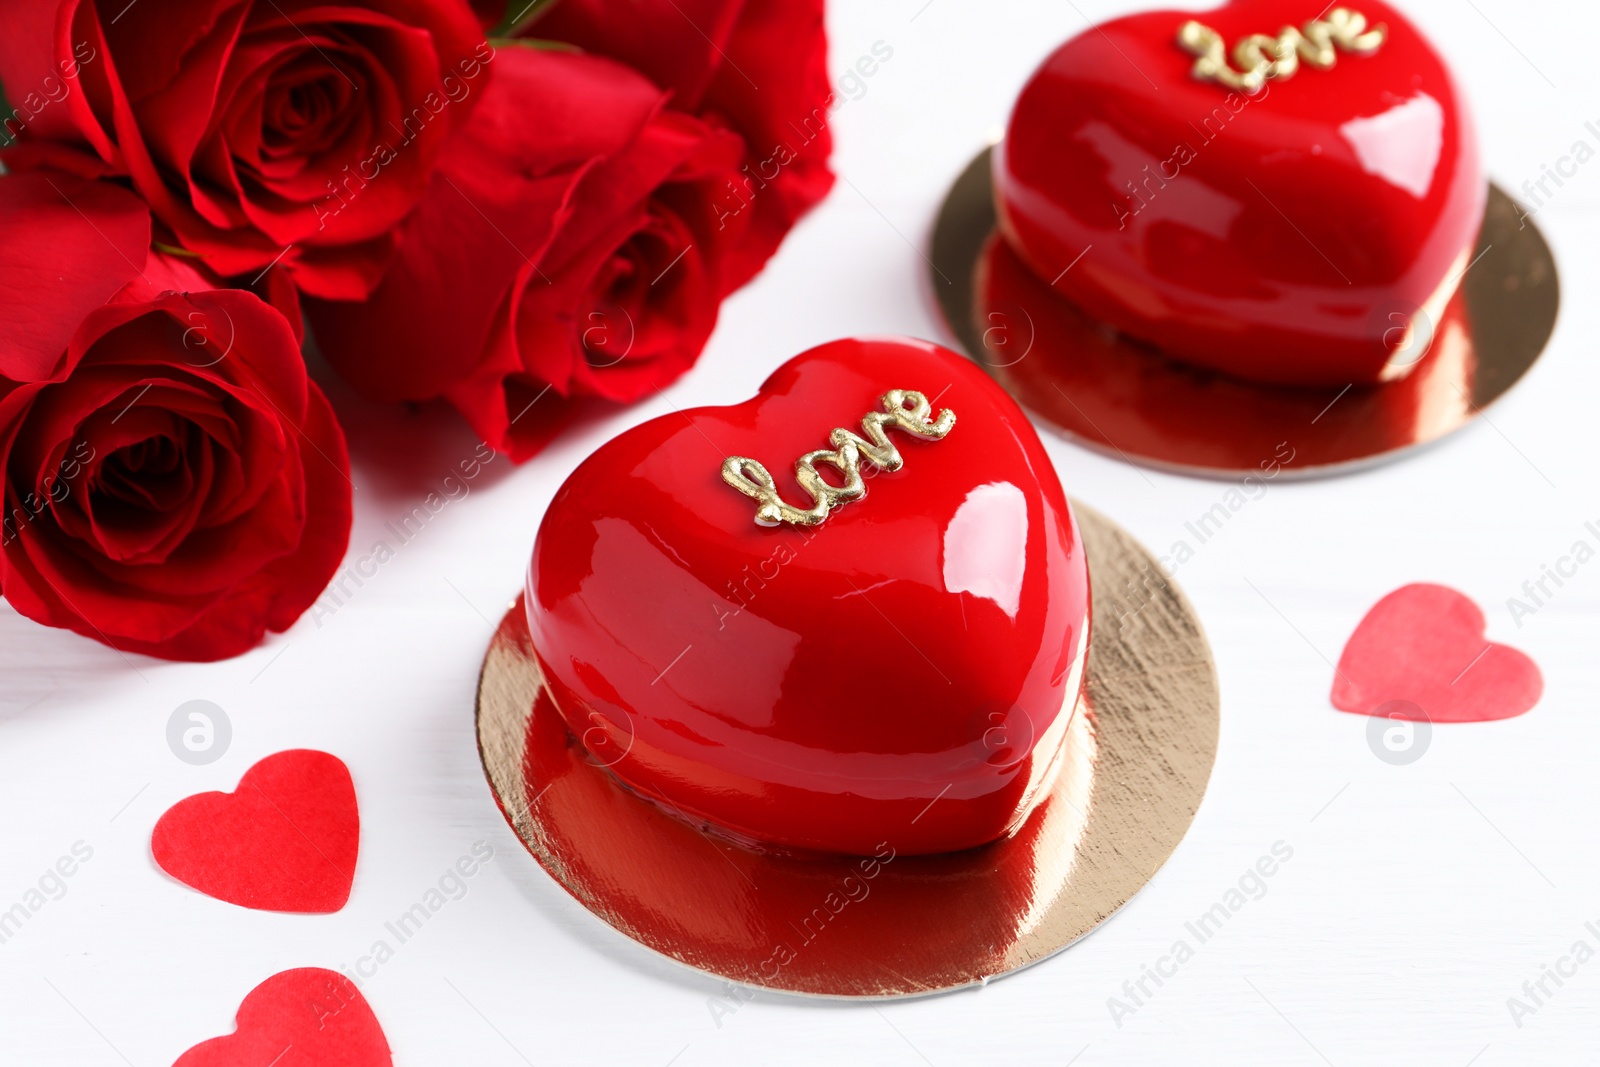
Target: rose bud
173,483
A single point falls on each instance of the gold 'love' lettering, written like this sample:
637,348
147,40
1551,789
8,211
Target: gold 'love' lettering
1259,57
903,410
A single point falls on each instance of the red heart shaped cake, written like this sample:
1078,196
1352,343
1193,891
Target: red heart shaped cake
886,647
1274,189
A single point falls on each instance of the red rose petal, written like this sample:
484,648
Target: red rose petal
29,68
677,44
785,46
47,284
712,55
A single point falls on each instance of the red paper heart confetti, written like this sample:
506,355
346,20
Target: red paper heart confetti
1424,645
306,1017
285,840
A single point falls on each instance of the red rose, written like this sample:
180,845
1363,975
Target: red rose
757,67
259,131
173,484
569,247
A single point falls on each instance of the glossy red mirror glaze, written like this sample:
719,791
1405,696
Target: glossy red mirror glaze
903,672
1289,236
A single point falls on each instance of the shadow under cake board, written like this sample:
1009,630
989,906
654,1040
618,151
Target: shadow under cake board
1137,757
1122,398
